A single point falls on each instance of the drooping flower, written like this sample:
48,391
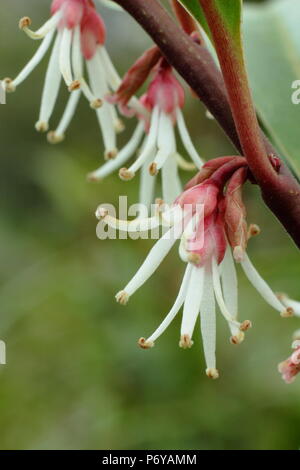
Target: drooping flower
80,35
291,367
164,100
197,218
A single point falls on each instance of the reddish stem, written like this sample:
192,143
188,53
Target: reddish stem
185,19
195,64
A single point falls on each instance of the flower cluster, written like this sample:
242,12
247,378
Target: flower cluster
209,219
80,36
164,101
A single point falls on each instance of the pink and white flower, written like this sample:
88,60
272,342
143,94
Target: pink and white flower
80,34
291,367
210,275
164,100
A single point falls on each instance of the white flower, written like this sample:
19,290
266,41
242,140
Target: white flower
164,99
210,276
80,35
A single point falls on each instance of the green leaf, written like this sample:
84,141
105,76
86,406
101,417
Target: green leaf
272,45
230,10
193,7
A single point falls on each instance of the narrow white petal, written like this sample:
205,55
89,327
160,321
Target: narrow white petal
112,75
100,89
47,27
52,84
68,114
153,260
260,284
229,283
124,155
77,59
36,59
147,184
187,141
114,80
208,321
176,307
233,324
192,302
132,226
165,141
150,142
171,186
183,164
65,56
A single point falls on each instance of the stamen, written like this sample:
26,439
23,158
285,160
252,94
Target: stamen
153,169
212,373
144,344
8,85
237,339
48,27
42,126
185,342
122,157
126,175
246,325
122,297
253,231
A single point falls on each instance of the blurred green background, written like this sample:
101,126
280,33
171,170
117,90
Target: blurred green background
75,378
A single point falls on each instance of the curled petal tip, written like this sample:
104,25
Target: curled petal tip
25,22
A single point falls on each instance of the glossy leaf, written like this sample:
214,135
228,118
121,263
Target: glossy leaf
272,44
